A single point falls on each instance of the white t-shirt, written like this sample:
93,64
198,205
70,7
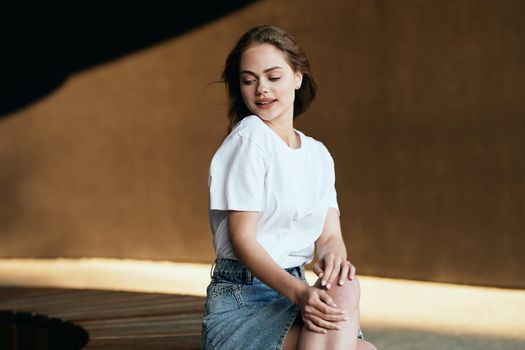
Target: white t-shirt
255,170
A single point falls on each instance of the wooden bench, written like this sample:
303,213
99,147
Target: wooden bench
115,319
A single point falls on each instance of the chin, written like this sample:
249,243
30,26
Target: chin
265,117
268,116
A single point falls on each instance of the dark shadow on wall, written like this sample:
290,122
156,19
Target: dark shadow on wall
42,46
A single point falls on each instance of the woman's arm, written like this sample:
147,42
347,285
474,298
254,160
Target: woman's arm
242,226
331,252
319,310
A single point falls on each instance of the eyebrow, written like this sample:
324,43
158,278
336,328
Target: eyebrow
265,71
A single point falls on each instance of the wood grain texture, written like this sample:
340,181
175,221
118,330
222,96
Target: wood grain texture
116,319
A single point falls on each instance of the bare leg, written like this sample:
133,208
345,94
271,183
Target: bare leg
299,337
365,345
295,332
292,338
346,297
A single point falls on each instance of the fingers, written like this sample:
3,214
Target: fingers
321,313
324,307
319,325
311,326
344,273
335,272
318,270
328,267
319,303
326,303
347,271
352,272
333,269
311,312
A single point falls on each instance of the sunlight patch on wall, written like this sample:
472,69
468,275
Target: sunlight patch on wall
391,303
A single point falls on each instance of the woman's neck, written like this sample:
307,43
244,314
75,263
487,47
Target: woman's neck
285,130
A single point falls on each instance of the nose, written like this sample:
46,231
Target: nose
261,89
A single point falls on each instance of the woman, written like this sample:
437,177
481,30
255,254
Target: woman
272,202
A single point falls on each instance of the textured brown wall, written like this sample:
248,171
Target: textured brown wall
420,103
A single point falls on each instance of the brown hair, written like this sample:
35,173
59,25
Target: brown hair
284,41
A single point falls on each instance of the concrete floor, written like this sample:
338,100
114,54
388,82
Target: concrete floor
396,314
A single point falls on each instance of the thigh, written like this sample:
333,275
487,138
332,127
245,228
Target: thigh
246,317
292,338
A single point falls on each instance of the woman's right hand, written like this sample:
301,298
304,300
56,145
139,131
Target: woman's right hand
318,310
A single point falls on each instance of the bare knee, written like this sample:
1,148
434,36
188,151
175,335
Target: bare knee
348,295
365,345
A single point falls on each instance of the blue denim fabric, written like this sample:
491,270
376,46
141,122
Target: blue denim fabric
241,312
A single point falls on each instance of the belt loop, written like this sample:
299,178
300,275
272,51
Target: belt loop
212,269
248,277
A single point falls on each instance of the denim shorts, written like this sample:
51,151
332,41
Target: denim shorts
241,312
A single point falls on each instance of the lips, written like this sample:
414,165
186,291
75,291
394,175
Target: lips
265,102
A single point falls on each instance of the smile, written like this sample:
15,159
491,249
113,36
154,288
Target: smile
265,104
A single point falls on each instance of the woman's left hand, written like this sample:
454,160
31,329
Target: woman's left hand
333,268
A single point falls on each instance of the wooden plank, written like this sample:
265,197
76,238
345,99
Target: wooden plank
117,320
14,293
100,308
189,341
104,304
73,296
178,324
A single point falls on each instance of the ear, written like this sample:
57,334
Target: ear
298,80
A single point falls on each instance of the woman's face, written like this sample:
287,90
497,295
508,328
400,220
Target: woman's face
268,82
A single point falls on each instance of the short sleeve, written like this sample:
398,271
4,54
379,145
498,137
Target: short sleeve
332,192
236,176
333,199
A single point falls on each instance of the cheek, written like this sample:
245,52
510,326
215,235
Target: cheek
245,92
287,91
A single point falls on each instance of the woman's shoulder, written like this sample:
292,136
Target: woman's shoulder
317,146
245,137
249,128
250,125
